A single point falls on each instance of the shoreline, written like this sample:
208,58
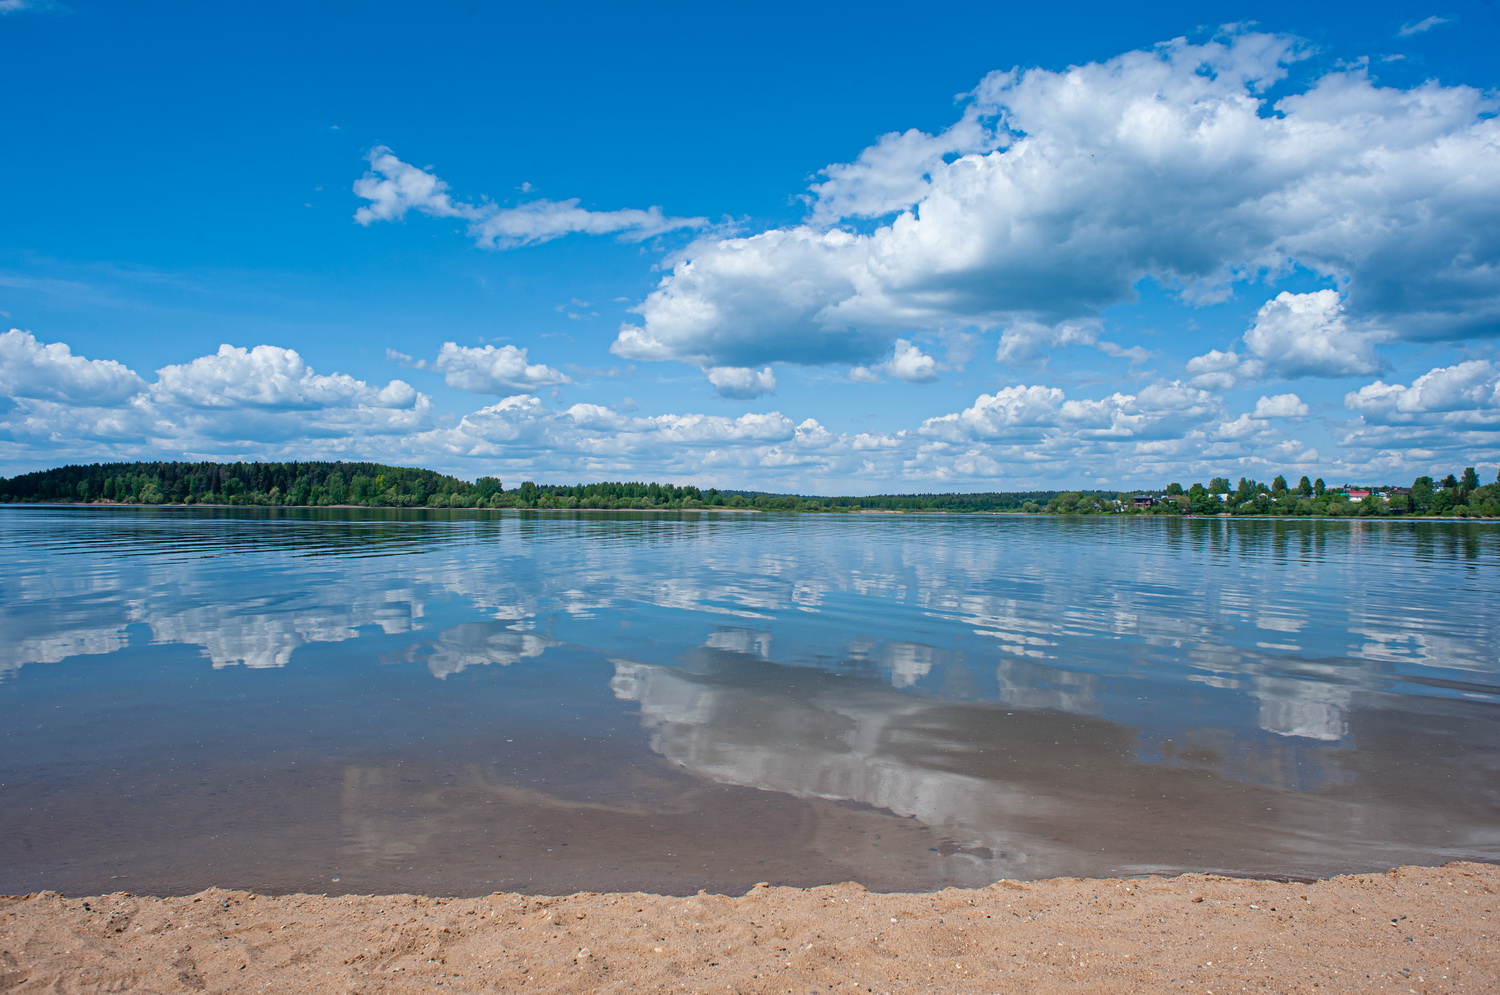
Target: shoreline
1423,929
1223,516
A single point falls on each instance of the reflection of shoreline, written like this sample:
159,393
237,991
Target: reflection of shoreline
878,676
1043,590
1066,614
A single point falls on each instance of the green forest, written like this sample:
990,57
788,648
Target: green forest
375,485
313,484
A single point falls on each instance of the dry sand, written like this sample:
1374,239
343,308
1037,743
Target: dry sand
1413,929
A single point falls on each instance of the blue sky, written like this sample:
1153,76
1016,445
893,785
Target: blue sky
850,249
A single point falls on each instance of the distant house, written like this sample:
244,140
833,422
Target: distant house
1357,495
1145,500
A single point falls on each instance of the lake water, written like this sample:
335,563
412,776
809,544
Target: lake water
460,703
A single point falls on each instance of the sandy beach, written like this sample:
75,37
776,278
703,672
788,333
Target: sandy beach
1412,929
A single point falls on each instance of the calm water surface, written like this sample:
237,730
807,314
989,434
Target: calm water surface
463,703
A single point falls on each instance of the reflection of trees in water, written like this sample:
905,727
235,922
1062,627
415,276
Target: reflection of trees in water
897,625
1298,614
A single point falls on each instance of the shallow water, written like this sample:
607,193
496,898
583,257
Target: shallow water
349,701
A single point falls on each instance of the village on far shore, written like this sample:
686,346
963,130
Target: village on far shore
1453,496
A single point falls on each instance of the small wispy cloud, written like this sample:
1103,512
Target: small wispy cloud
1425,24
17,6
394,187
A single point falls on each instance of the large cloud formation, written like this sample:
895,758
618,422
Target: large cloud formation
261,402
1448,410
50,371
245,401
1467,394
1057,192
272,378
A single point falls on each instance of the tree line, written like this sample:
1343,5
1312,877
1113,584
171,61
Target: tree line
376,485
313,484
298,484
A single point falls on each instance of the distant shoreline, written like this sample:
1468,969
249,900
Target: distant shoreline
1225,517
324,484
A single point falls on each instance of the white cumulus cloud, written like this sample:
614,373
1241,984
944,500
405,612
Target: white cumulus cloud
494,369
1025,341
1023,410
742,383
237,403
1216,369
268,376
1158,410
50,371
394,187
895,172
1468,392
1448,415
907,362
911,364
1170,164
1280,406
1307,335
1293,335
596,442
754,301
267,395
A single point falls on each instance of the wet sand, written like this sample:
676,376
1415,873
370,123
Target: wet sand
1413,929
